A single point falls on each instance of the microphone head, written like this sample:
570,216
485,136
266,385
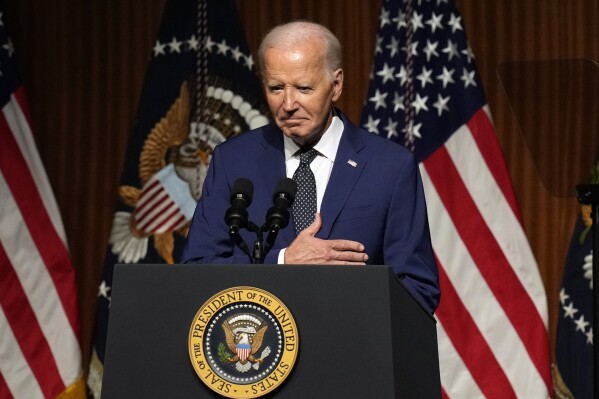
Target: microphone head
243,188
286,188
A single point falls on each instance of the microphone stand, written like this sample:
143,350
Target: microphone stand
262,248
588,194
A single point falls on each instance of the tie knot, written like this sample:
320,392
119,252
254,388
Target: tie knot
307,156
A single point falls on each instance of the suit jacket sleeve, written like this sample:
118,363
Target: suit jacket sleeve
407,244
208,239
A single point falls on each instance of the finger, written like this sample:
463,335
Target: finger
315,226
347,245
346,263
348,256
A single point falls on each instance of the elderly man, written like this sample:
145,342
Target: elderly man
369,205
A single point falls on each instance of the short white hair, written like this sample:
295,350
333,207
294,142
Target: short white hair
289,34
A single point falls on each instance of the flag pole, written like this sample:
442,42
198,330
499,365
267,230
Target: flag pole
588,194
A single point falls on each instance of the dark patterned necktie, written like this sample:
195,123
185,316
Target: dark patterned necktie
304,206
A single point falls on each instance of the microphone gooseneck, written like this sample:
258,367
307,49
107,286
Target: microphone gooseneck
277,217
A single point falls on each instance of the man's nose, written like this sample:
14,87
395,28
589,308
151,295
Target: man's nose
289,100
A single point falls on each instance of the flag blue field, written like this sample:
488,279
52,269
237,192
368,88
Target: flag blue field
574,342
425,94
200,89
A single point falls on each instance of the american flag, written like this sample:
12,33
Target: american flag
425,94
40,356
200,89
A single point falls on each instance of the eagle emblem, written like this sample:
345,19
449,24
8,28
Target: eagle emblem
244,335
172,168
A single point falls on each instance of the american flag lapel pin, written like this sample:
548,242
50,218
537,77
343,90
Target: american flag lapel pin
352,162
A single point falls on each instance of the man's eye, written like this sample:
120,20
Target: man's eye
305,89
275,88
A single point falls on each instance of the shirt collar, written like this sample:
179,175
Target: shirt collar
326,146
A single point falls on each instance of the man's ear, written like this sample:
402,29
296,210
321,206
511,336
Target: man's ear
337,83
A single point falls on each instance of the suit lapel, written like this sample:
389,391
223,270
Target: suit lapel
347,169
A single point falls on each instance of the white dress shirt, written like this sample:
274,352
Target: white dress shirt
321,166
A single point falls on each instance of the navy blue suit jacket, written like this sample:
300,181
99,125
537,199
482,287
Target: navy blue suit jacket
377,200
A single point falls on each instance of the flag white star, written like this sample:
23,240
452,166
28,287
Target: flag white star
563,296
159,48
103,290
391,128
451,50
468,78
386,73
400,21
209,43
441,104
468,53
454,22
372,125
402,75
413,50
569,310
193,43
430,49
590,336
425,77
435,22
379,99
222,47
249,61
379,45
446,77
236,54
384,17
417,21
9,47
398,102
581,325
419,103
393,47
175,45
412,131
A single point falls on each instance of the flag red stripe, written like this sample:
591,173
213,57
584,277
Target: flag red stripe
27,331
146,209
4,391
49,244
484,135
159,216
148,194
489,258
469,342
169,221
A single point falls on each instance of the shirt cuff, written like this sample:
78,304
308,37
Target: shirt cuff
281,260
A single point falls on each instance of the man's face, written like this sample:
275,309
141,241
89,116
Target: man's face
299,95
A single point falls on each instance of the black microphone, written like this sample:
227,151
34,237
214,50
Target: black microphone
278,216
236,216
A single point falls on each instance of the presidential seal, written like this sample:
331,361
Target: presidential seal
243,342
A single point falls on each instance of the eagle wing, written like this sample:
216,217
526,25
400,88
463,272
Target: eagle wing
230,337
258,338
172,130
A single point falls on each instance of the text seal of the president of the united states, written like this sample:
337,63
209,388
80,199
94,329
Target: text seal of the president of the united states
243,342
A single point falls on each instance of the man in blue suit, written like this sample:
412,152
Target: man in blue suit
369,197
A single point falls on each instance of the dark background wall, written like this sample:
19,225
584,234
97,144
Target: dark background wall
83,64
